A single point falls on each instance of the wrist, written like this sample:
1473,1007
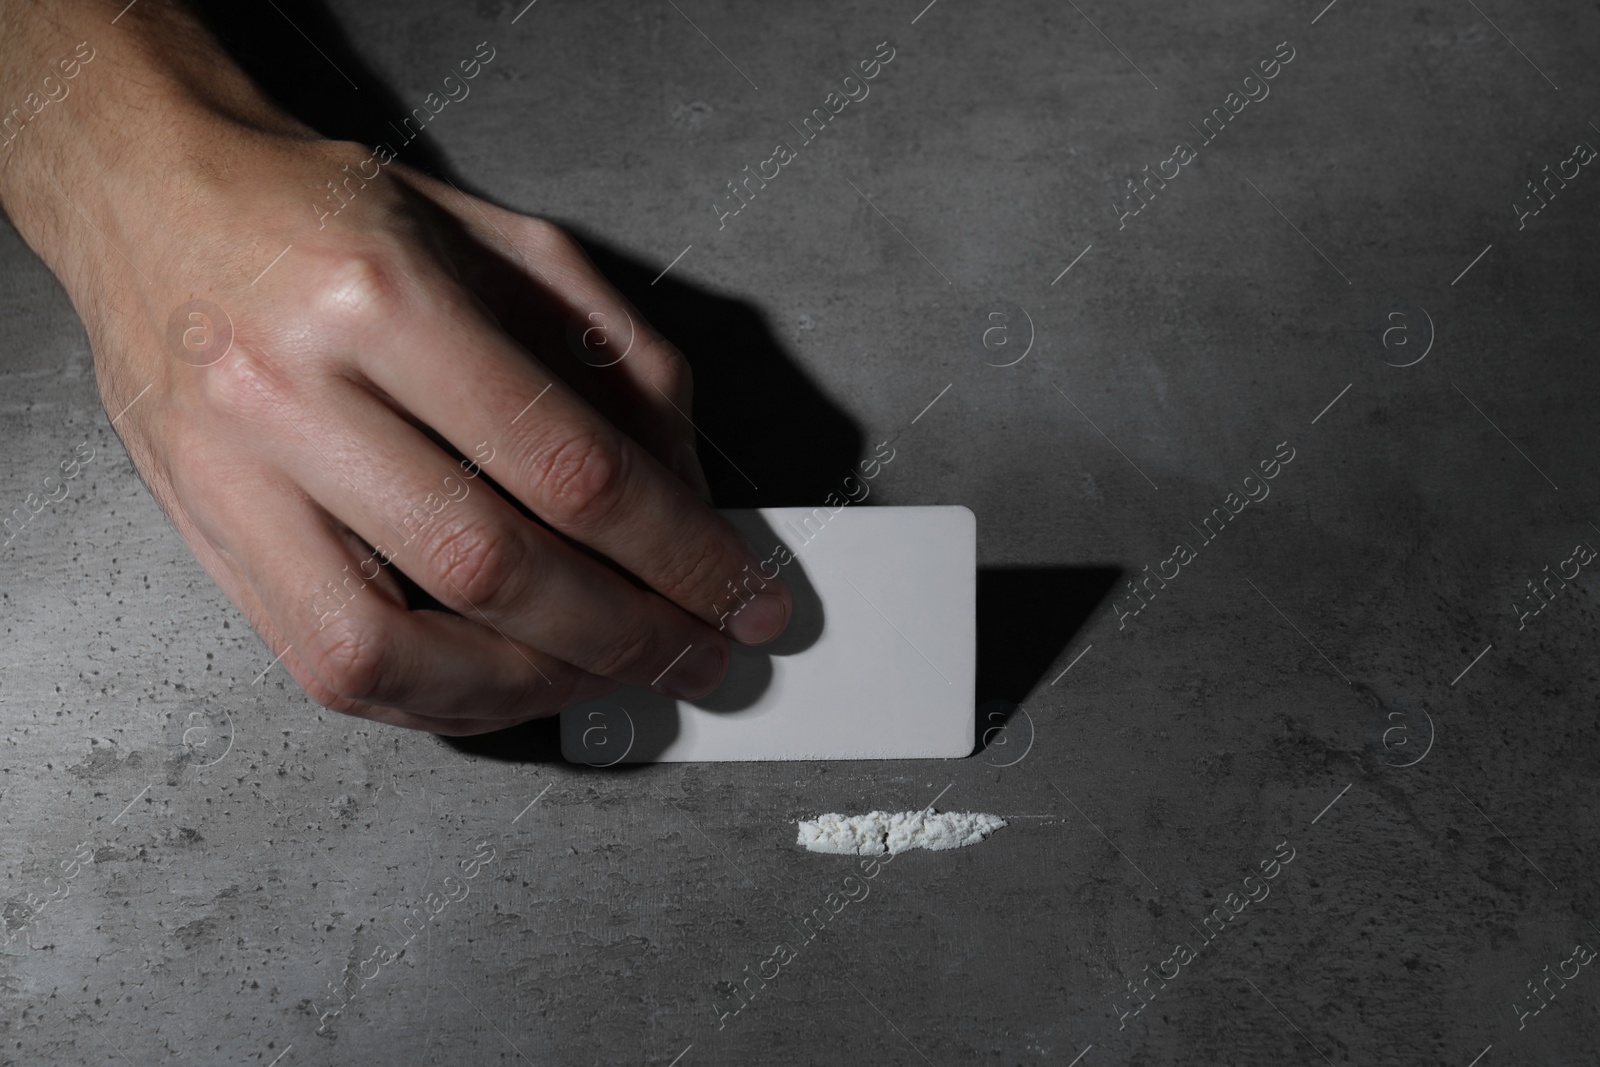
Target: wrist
104,128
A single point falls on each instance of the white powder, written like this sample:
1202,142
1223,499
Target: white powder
878,832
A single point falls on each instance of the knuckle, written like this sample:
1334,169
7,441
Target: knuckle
582,478
626,653
327,698
478,562
351,658
547,238
357,289
669,370
700,571
248,388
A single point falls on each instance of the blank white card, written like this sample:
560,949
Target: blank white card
878,661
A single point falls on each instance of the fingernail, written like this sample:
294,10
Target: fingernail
759,621
697,673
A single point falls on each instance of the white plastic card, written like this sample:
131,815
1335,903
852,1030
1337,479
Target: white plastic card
878,661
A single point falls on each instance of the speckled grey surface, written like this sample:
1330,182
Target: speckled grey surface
1342,675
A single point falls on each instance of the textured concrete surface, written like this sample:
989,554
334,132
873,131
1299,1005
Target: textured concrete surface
1345,696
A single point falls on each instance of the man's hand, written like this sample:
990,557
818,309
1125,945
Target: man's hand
297,387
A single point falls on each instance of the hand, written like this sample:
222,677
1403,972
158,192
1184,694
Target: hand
300,417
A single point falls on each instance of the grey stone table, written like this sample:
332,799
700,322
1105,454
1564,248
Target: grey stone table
1319,788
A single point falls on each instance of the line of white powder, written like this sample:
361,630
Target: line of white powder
880,832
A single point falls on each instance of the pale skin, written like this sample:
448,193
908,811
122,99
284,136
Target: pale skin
417,314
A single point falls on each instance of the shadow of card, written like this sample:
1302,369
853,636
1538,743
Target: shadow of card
1026,617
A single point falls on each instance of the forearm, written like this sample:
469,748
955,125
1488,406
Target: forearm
99,115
